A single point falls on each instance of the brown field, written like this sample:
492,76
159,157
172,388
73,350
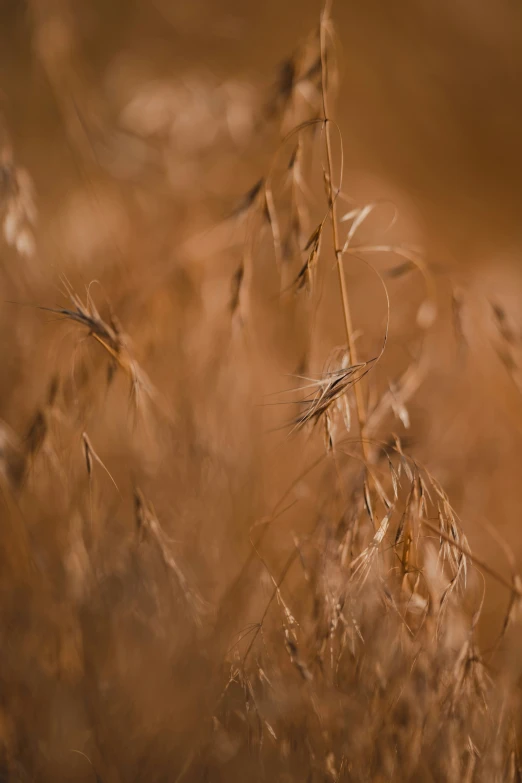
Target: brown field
261,390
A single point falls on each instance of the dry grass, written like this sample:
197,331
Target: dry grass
220,558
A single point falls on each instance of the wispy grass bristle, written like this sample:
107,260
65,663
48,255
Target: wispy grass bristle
275,576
